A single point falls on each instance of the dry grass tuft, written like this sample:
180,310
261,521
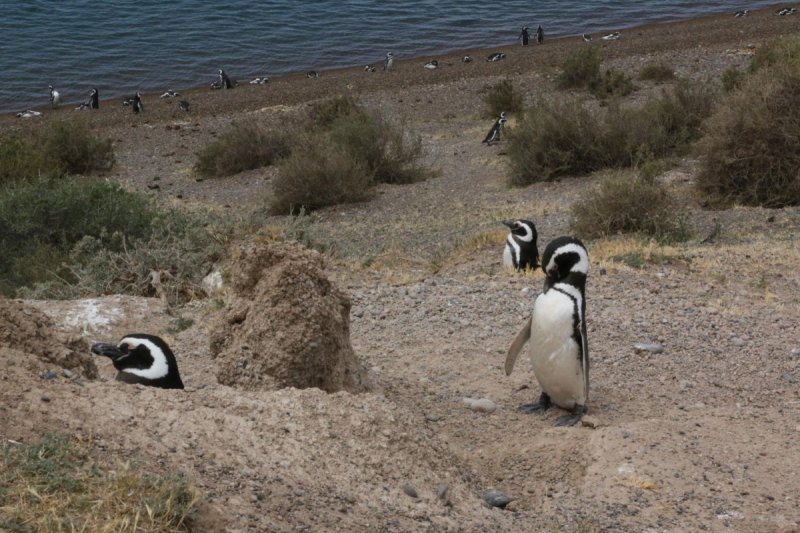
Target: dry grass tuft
581,70
624,202
55,486
752,148
245,146
640,483
635,253
501,97
464,247
658,72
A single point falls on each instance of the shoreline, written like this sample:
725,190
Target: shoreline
641,39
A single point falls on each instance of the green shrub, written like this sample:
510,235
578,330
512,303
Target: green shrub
732,79
390,151
580,69
245,146
564,138
318,174
624,202
58,148
502,97
41,220
326,112
657,72
752,145
776,52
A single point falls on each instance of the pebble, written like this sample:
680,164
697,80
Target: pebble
736,341
495,498
49,375
45,398
795,352
68,373
410,491
602,271
590,422
652,348
433,418
483,406
441,491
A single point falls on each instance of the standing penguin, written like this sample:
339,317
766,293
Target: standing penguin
138,106
494,133
521,252
557,331
224,80
93,103
144,359
55,98
539,34
524,36
387,63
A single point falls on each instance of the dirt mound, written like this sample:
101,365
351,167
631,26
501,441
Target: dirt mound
287,325
26,329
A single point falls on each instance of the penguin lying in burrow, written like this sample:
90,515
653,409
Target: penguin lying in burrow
143,359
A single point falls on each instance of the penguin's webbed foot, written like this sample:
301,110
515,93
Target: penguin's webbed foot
539,407
572,418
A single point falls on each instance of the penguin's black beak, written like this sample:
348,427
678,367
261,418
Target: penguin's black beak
107,350
509,223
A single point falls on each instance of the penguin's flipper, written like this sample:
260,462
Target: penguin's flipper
516,346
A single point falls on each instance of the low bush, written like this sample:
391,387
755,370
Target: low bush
319,174
581,70
566,138
776,52
326,112
659,72
54,150
732,79
390,152
244,146
501,97
752,146
625,202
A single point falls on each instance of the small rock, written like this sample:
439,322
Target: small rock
652,348
736,341
68,373
45,398
590,422
788,378
495,498
795,352
602,271
433,418
410,491
441,491
483,406
49,375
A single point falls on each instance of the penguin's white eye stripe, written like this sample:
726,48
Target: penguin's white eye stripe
159,368
583,262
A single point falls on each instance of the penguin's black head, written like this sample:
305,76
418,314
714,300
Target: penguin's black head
143,359
94,91
525,230
563,256
51,87
524,28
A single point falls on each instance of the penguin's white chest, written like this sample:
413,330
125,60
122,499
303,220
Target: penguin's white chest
555,355
510,252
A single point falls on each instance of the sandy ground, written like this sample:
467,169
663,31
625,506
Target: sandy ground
702,436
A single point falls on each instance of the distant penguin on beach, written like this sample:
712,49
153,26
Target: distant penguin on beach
93,103
138,106
539,34
29,114
143,359
369,68
55,98
466,59
740,14
388,62
259,81
432,65
497,56
612,36
587,38
524,36
184,105
170,94
312,74
224,80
